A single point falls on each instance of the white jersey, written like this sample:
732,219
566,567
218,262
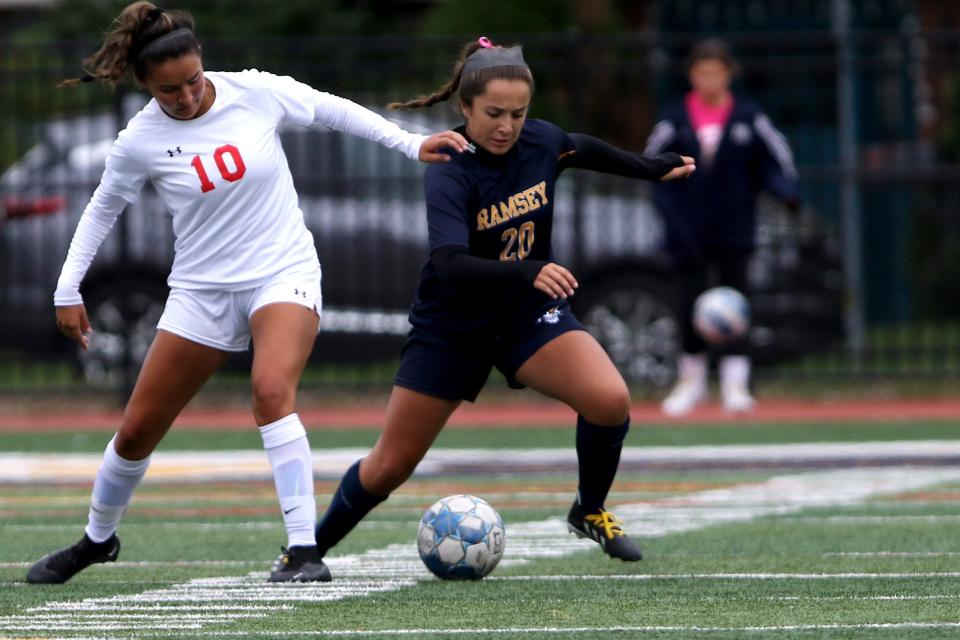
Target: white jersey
224,179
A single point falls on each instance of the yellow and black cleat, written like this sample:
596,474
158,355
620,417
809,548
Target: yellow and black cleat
604,528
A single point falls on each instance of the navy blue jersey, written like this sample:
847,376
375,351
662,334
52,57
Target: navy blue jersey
498,208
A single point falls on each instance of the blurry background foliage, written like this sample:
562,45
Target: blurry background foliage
238,29
252,18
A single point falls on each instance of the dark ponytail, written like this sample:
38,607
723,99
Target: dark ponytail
143,33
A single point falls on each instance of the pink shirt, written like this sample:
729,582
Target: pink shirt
708,123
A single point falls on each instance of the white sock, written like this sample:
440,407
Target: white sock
286,443
692,369
116,479
734,373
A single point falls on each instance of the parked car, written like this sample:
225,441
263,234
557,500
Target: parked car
363,204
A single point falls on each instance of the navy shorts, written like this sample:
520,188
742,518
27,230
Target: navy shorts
458,370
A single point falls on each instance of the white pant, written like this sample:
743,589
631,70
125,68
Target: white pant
221,319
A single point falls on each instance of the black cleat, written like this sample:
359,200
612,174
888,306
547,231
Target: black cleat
299,564
604,527
60,566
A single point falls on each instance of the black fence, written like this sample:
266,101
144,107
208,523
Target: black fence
864,282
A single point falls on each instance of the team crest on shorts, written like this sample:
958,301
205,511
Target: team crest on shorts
552,316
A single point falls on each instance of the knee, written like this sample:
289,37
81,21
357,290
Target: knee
609,407
382,474
272,399
137,437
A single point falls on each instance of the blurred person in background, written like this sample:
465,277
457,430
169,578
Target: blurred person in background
491,295
245,265
711,219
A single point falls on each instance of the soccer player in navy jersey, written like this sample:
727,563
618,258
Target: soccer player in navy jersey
491,294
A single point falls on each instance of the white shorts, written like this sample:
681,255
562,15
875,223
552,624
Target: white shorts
221,319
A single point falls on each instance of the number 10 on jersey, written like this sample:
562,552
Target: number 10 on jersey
228,174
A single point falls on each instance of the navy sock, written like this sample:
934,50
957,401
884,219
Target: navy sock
598,451
350,504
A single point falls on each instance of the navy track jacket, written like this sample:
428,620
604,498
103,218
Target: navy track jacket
716,206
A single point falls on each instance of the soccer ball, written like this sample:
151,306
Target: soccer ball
721,315
461,537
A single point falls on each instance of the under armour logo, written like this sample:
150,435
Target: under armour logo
170,151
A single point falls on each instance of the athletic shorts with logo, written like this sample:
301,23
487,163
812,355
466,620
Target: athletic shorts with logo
458,370
221,319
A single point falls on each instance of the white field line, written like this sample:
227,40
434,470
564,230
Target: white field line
413,496
520,631
193,527
92,606
201,526
184,466
156,563
397,524
892,554
654,577
859,598
904,519
398,566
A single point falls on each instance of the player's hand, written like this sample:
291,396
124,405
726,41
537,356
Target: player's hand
689,166
555,281
73,323
430,149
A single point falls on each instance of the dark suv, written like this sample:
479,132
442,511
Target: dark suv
363,204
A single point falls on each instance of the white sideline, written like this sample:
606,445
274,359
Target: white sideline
185,466
515,631
398,565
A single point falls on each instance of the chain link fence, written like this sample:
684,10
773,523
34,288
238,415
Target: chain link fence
864,282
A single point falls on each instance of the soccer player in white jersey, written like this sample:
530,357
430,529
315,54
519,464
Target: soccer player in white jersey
245,266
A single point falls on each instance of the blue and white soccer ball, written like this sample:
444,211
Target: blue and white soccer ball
461,537
721,315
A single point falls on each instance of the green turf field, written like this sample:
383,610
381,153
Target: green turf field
755,535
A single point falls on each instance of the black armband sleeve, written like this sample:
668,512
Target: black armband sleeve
595,154
458,268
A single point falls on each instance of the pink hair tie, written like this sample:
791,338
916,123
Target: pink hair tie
485,42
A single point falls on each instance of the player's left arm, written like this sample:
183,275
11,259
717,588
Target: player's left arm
778,172
301,104
597,155
350,117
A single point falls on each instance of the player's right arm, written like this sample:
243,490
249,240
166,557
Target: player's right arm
121,183
458,268
72,322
